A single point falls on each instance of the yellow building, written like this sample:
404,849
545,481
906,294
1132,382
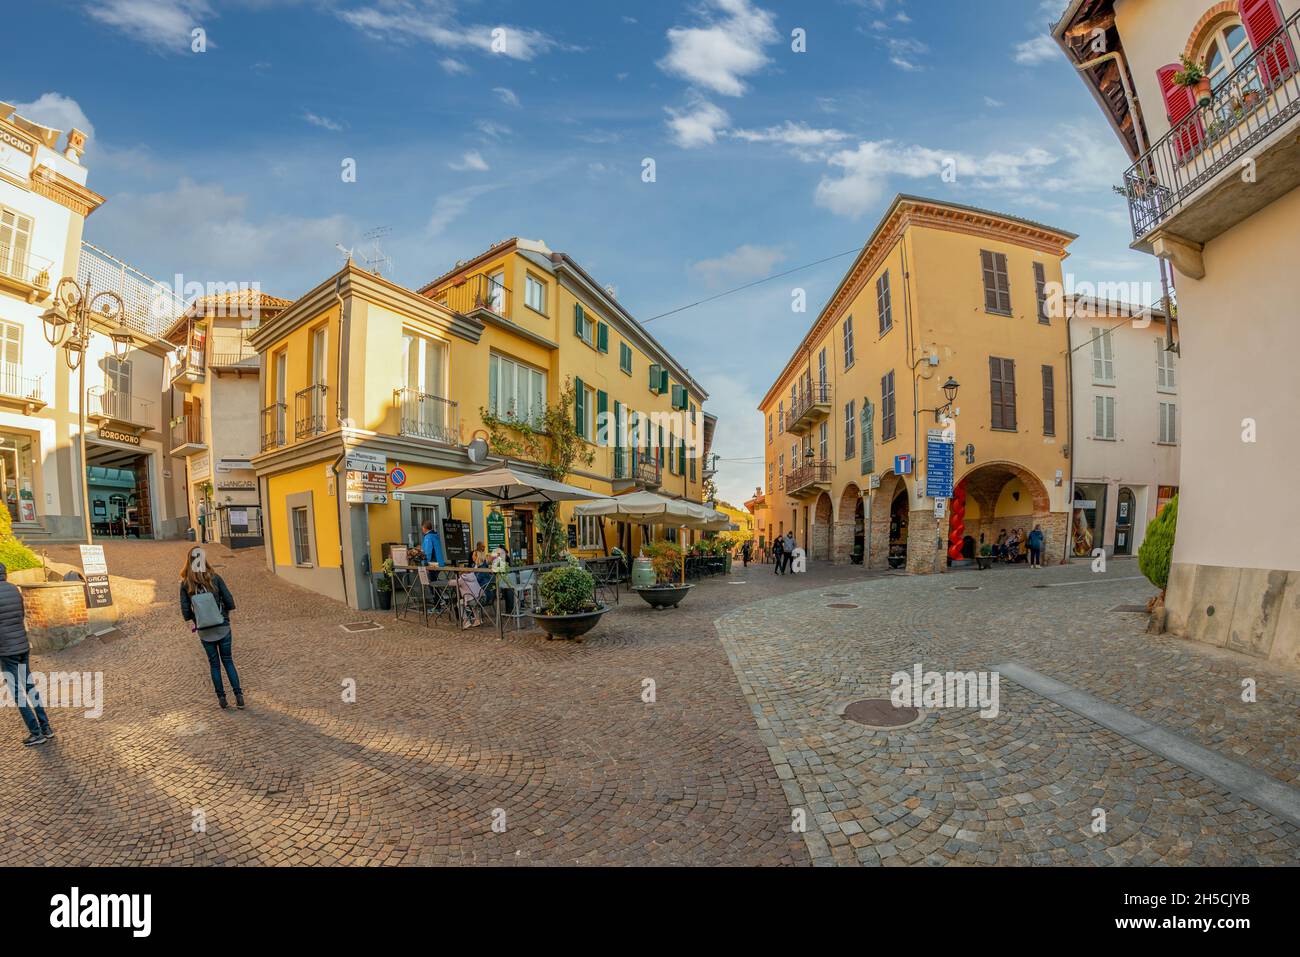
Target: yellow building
940,292
361,373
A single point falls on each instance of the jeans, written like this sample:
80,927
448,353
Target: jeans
18,673
1035,556
219,654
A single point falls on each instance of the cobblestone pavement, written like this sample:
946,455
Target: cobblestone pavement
1020,788
447,727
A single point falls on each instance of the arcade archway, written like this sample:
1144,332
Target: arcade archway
1000,497
820,533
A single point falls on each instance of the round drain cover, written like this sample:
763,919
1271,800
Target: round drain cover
966,587
881,713
841,604
835,594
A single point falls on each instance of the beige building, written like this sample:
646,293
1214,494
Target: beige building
130,478
1127,426
1213,190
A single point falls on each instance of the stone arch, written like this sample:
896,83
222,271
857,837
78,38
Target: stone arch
823,517
1008,495
849,524
1211,21
882,503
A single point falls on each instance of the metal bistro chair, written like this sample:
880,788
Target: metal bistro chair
405,593
605,571
523,585
438,599
473,600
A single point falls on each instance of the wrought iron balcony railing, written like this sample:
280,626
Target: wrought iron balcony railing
1248,105
273,422
475,292
104,403
309,407
427,416
638,466
809,476
187,432
233,349
15,384
810,403
19,263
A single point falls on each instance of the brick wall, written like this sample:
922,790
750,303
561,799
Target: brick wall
56,615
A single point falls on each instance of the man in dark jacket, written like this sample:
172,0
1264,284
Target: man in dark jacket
14,654
778,555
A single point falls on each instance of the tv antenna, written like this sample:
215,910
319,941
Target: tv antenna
373,255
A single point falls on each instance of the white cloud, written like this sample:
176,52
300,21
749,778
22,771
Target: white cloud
1040,49
59,112
452,66
164,25
698,125
435,22
994,104
492,130
450,206
507,95
223,242
472,160
324,122
791,134
722,53
904,53
740,265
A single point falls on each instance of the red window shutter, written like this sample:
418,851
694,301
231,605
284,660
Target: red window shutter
1274,54
1180,104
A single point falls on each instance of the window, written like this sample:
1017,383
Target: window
425,364
1104,409
1002,393
11,351
780,467
769,428
586,417
821,372
780,416
535,294
1165,381
997,286
419,514
516,391
17,481
1168,434
319,354
1228,49
823,440
117,375
795,456
625,357
850,427
887,419
771,477
584,327
301,536
1103,356
15,241
589,537
884,309
848,342
497,293
1040,293
1049,401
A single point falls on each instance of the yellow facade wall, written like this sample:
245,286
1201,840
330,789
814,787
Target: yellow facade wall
309,478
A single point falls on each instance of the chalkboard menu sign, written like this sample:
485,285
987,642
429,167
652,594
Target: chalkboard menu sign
573,535
95,567
455,539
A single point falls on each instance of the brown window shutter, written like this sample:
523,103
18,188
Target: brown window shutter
1009,393
995,390
990,280
1049,401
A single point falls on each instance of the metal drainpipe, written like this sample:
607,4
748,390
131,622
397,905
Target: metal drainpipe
338,518
1069,408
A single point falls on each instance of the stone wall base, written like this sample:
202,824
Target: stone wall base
1255,611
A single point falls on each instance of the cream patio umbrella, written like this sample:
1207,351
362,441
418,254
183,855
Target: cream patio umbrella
649,508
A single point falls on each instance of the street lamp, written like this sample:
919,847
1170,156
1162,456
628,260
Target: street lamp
950,393
67,323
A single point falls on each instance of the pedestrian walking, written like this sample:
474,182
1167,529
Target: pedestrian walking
744,554
1036,547
778,558
787,550
206,603
15,660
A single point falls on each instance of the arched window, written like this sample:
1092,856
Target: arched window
1227,49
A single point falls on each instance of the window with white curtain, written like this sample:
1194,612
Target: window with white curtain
589,537
516,391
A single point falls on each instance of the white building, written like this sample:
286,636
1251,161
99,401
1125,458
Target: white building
1127,426
130,477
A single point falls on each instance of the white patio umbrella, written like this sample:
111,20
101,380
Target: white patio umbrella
649,508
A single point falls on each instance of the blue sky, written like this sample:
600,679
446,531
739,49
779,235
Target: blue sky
225,165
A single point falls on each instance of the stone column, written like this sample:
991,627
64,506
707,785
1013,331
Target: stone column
923,555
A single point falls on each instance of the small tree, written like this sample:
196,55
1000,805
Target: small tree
554,444
1158,547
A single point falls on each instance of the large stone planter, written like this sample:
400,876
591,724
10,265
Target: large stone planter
569,626
664,596
57,616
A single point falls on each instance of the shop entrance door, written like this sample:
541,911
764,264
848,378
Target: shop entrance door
1124,518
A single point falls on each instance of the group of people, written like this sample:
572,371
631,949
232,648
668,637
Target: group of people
783,553
1007,547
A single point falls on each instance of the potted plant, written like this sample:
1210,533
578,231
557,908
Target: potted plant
1192,76
384,585
568,607
668,590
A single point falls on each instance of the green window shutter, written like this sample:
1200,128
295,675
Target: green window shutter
663,381
578,316
681,458
578,412
661,446
602,337
602,407
655,378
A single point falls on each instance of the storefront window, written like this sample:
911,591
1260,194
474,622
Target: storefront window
1089,512
1164,496
17,475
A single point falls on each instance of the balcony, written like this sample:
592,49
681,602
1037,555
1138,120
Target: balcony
637,467
474,293
808,481
187,367
19,390
425,416
187,435
232,352
309,407
1191,185
121,409
25,274
273,423
811,405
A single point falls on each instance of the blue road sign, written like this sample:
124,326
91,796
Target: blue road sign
939,465
903,464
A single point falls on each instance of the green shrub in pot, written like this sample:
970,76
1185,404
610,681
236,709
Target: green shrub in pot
569,590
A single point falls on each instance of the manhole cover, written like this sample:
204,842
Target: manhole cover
967,587
835,594
1141,609
880,713
355,626
841,604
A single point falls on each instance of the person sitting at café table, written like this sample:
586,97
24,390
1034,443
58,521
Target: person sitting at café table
1000,546
1013,546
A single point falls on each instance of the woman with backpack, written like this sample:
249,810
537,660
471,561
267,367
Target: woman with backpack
206,604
